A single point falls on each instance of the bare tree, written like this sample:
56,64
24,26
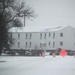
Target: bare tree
10,12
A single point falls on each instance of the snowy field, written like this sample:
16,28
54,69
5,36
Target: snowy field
20,65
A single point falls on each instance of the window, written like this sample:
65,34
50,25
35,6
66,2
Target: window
53,35
26,36
18,44
18,36
30,44
49,43
53,44
45,36
41,36
49,34
26,44
30,35
61,34
61,43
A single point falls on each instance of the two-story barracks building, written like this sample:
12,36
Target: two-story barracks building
43,38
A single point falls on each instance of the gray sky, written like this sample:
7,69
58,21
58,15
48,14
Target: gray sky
52,12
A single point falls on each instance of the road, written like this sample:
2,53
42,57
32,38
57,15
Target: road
38,65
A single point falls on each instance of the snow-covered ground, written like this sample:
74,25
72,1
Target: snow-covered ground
48,65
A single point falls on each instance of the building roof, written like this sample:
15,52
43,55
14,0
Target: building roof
37,29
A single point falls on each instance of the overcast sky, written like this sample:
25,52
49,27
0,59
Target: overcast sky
52,12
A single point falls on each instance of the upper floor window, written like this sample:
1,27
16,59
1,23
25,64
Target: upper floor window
61,43
49,34
40,35
45,36
18,36
30,35
53,35
61,34
26,36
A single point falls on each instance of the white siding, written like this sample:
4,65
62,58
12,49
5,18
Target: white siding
68,39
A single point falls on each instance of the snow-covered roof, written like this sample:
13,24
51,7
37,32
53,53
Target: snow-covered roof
36,29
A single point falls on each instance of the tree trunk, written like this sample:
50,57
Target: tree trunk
0,49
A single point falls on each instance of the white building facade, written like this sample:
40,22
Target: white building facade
44,39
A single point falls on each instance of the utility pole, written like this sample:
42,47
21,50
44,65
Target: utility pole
24,19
